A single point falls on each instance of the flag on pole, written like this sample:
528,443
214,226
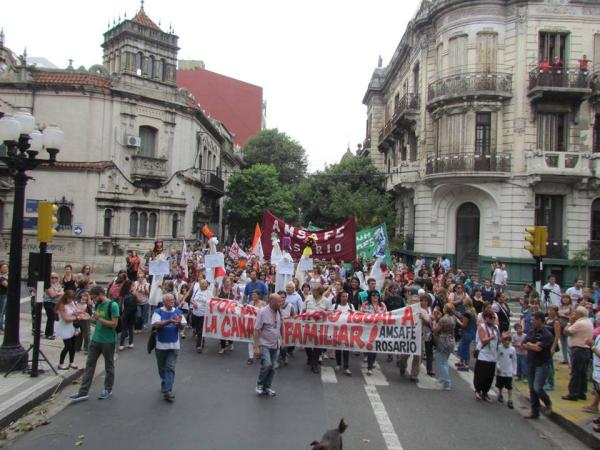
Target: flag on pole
183,261
256,240
258,250
235,252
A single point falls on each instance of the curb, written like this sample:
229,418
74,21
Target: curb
578,432
21,410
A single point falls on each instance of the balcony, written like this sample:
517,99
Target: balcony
488,167
149,170
367,143
405,173
563,84
469,85
212,183
406,110
385,135
558,166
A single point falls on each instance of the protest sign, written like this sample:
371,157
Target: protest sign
285,267
214,261
338,243
397,331
373,243
306,264
159,267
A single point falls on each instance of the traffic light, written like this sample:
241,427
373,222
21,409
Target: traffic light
536,240
46,221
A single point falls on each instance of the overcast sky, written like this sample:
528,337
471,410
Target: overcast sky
312,58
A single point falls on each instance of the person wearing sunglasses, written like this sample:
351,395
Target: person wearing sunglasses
51,298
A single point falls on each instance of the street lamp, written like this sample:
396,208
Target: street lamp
23,143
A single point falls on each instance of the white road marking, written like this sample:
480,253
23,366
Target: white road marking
328,375
427,382
376,379
383,420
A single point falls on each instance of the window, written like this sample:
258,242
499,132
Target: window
138,63
549,212
439,60
175,226
483,132
133,224
148,141
65,218
552,46
457,55
152,225
412,147
1,215
416,79
108,215
143,224
596,135
487,52
150,67
160,69
455,133
396,101
552,132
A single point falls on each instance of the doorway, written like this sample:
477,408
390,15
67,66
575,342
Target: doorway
467,238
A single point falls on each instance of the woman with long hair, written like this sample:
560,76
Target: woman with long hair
487,355
443,327
67,314
226,292
342,356
468,323
373,305
315,302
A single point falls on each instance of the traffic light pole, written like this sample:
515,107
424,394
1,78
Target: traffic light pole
37,325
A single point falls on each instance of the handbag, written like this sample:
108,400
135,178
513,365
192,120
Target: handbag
151,340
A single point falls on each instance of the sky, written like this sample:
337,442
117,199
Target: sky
312,58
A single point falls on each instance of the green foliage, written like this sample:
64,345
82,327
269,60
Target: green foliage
250,192
276,148
353,187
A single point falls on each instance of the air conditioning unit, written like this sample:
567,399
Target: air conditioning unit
133,141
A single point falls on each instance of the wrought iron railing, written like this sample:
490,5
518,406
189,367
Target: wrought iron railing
470,83
407,102
563,77
468,162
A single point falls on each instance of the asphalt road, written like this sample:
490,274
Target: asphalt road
216,408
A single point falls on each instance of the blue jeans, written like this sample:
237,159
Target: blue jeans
165,360
142,316
564,347
464,347
550,379
442,360
537,379
371,360
2,308
268,356
522,366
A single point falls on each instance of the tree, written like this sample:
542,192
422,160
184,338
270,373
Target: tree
276,148
353,187
250,192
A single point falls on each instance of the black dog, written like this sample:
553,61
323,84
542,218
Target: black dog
332,439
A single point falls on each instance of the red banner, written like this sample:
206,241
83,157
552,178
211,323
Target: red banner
338,243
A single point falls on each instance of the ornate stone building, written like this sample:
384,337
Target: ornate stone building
141,160
487,120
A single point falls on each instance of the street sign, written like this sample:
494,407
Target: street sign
77,229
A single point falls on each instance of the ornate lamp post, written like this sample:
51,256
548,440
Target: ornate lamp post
23,143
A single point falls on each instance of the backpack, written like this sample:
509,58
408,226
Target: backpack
118,328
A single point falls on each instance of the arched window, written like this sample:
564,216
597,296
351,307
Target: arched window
175,226
108,215
133,224
1,215
65,218
150,67
143,224
152,225
148,139
139,57
160,69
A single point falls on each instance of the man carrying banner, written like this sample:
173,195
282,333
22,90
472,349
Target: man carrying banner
267,339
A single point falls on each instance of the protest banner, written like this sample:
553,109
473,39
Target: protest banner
373,243
338,243
159,267
397,331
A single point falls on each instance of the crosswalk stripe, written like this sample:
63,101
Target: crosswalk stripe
328,375
383,420
376,379
427,382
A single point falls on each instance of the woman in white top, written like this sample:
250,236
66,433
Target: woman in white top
316,302
487,347
67,313
141,289
342,356
199,300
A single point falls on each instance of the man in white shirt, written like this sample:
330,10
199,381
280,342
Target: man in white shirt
499,276
576,292
293,298
551,292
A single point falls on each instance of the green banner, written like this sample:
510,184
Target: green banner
373,242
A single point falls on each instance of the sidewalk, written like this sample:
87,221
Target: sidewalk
568,414
19,393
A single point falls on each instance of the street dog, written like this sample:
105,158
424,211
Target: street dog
332,439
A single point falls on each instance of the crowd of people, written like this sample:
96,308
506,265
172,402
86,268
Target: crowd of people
460,315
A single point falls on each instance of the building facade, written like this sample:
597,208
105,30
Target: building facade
487,120
140,161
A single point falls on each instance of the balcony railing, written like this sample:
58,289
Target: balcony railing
470,84
467,162
542,162
149,169
563,77
212,182
405,172
557,249
408,102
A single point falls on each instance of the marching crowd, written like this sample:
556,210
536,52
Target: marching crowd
459,313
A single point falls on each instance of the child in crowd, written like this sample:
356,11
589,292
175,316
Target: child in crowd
517,339
506,367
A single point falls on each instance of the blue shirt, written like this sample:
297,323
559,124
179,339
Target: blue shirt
252,286
167,338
